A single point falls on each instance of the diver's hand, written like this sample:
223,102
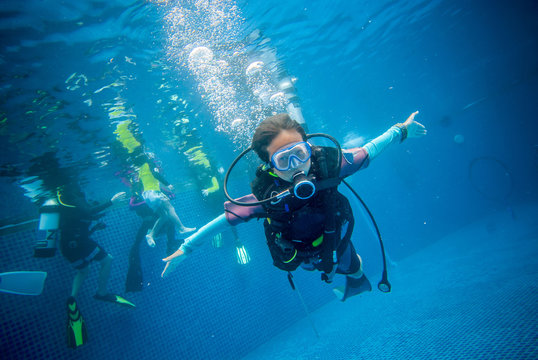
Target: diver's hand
170,187
118,198
414,129
172,261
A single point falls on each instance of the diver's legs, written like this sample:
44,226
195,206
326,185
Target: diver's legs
104,274
172,215
156,228
80,276
356,283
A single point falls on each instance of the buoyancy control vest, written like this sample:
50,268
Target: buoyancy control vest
296,229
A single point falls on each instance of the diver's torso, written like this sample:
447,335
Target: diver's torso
297,220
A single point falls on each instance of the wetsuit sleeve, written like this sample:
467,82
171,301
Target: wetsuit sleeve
353,160
86,210
356,159
236,214
98,208
198,238
376,146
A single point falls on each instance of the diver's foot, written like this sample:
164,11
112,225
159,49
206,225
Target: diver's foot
353,287
113,298
185,230
339,292
150,241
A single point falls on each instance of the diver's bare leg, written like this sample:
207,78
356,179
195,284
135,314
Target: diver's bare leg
172,215
80,276
104,274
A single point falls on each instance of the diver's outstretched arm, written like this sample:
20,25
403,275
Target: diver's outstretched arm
399,132
195,240
356,159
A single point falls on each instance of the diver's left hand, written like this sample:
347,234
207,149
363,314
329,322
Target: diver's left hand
119,198
414,129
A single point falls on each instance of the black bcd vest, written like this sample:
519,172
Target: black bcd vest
296,224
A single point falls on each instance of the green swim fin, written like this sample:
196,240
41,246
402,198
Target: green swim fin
113,298
76,328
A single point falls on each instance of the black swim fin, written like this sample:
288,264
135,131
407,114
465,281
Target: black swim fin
76,328
133,281
353,287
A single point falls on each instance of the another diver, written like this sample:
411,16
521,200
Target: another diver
155,198
76,245
134,279
65,220
207,178
307,221
129,148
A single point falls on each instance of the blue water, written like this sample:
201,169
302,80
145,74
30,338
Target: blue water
457,209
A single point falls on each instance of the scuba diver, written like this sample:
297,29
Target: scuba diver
207,177
308,223
151,180
149,175
134,281
65,221
76,245
140,170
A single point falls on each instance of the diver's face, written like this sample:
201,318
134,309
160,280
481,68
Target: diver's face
283,140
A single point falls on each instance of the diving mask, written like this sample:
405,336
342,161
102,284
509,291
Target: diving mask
292,156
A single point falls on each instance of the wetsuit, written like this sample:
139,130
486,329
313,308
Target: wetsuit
295,229
353,160
76,216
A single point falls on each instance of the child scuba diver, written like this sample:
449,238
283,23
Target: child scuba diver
308,223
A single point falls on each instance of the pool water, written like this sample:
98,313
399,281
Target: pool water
457,209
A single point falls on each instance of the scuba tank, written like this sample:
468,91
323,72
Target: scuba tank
48,233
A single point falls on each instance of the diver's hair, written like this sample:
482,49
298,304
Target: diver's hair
269,129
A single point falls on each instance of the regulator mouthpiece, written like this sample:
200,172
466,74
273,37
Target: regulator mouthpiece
303,188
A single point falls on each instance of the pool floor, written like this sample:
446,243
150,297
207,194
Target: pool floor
471,295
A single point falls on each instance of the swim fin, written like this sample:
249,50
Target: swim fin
23,282
76,328
353,287
133,281
113,298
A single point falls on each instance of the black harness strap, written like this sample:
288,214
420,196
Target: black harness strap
330,234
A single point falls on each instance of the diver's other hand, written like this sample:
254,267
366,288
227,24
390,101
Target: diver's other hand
414,129
172,261
118,198
170,187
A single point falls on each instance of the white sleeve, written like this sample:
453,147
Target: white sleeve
198,238
380,143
